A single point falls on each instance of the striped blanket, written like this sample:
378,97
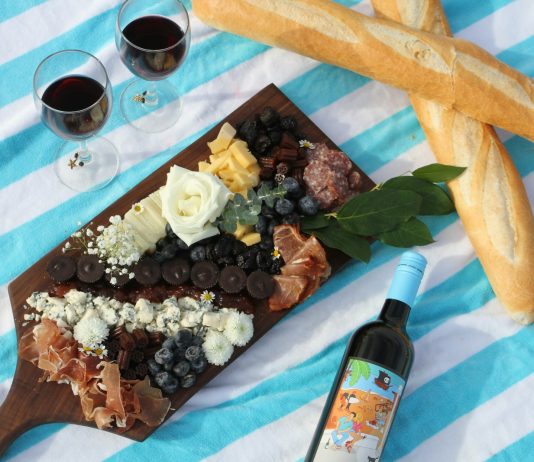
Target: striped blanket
469,397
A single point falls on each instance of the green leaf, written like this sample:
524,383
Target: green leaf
413,232
336,237
366,370
378,211
435,200
315,222
268,195
436,173
359,369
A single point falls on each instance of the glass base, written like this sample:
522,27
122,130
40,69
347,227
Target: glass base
89,170
151,106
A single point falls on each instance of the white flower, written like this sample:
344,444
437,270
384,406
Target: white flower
191,202
68,245
239,328
115,219
207,297
91,331
89,232
306,144
113,280
275,253
100,228
217,348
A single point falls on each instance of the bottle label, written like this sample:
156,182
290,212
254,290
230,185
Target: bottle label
361,413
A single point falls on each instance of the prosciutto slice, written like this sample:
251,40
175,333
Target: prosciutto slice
288,291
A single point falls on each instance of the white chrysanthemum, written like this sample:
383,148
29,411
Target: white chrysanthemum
217,348
239,328
91,331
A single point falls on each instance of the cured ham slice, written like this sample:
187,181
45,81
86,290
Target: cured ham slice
104,396
288,291
305,267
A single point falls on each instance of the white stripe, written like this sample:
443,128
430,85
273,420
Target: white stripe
22,33
485,431
6,315
433,356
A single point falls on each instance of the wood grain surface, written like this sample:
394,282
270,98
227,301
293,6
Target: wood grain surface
29,402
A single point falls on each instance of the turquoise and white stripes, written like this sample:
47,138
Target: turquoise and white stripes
470,393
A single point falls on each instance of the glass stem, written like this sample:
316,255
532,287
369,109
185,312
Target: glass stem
151,96
84,156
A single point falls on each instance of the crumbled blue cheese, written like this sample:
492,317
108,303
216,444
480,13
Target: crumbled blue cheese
127,314
145,311
76,297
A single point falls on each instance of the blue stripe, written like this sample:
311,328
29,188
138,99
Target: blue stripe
30,438
516,451
461,17
11,8
8,354
460,390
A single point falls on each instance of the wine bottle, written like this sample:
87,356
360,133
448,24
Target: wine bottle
372,376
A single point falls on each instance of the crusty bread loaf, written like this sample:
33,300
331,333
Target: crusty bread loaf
490,196
454,72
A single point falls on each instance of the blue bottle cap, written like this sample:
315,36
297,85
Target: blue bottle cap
407,277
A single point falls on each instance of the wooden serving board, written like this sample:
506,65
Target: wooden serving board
29,402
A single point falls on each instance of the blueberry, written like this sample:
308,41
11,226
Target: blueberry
163,356
284,206
169,232
266,243
162,243
267,212
179,352
238,247
197,253
153,367
162,378
261,225
181,244
288,123
269,116
308,205
272,225
292,186
263,260
291,219
168,343
224,246
187,381
197,340
170,386
169,251
168,366
181,368
193,352
199,365
183,336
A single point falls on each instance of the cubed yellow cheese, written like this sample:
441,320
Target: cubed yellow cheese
251,238
241,153
242,180
223,140
203,166
242,230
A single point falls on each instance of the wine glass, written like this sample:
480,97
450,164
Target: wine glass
153,38
73,95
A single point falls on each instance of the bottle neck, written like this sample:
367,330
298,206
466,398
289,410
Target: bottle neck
395,313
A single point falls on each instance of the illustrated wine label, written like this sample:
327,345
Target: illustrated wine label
361,414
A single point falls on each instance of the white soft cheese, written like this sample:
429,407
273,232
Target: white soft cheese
144,310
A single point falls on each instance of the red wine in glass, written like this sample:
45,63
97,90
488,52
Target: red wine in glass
152,47
76,107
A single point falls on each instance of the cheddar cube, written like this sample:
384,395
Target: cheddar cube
241,153
242,230
251,238
223,140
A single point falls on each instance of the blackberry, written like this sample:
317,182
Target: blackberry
224,246
263,260
288,123
275,136
238,247
269,116
197,253
226,261
240,261
275,266
291,219
292,186
262,144
248,131
169,232
308,205
210,251
262,224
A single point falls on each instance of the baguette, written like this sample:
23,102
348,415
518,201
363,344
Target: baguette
490,197
453,72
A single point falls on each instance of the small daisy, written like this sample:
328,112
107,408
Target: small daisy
138,208
275,253
207,297
306,144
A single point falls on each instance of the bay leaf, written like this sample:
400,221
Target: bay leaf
435,200
314,222
336,237
378,211
437,173
410,233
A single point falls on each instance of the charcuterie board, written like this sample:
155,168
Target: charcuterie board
30,403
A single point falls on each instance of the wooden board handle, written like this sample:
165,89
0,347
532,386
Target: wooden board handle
13,420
